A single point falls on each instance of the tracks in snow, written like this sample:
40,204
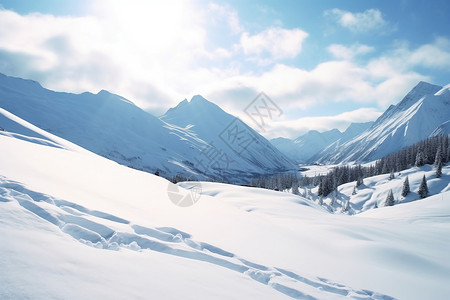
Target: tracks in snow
106,231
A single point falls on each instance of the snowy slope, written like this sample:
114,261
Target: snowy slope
115,128
243,149
443,129
375,189
305,147
76,225
422,110
351,132
104,123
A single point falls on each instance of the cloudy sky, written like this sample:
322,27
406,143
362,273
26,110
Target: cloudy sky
324,63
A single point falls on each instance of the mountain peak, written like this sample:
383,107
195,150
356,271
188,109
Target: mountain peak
421,89
198,99
197,105
424,84
109,95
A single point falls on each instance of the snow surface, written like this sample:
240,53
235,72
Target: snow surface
76,225
421,111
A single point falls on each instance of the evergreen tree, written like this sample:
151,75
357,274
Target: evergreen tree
439,168
420,159
320,190
405,189
359,182
392,176
423,188
438,157
295,188
346,206
389,199
333,198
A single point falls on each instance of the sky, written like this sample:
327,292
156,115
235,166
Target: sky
325,64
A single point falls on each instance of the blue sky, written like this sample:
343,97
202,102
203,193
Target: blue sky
325,63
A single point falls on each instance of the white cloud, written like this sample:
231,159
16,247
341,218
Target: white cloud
347,53
139,49
278,43
157,54
225,12
435,55
294,128
333,81
367,20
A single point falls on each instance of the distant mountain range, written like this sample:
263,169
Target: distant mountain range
196,139
423,112
303,148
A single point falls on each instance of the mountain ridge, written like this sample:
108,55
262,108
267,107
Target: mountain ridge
112,126
306,146
399,126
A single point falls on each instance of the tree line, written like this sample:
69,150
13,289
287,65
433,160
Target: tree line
433,150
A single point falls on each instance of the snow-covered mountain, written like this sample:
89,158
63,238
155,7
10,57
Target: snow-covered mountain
353,130
424,109
75,225
114,127
303,148
443,129
238,148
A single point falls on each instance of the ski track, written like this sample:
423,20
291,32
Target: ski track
88,227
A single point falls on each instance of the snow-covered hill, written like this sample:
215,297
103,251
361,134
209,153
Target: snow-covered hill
75,225
373,192
303,148
424,108
115,128
239,149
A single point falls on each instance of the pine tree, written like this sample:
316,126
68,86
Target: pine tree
359,182
320,190
346,206
405,189
420,159
423,188
389,199
439,168
295,188
392,176
438,157
333,198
